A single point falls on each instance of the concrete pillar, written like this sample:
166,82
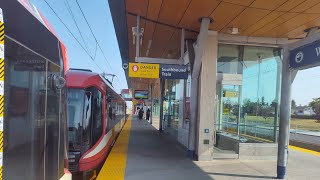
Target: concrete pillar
198,52
193,117
206,106
285,115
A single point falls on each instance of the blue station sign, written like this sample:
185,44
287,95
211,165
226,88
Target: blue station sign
168,71
305,56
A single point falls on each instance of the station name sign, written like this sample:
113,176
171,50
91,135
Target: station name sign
173,71
306,56
165,71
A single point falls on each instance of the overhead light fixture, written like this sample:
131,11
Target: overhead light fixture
233,30
135,33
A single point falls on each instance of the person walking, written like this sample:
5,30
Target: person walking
148,114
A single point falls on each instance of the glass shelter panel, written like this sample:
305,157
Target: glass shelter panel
248,96
260,93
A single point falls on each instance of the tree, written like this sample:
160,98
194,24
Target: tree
266,112
315,105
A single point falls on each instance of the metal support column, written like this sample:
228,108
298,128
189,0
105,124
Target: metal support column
276,100
182,44
151,106
285,113
137,42
162,81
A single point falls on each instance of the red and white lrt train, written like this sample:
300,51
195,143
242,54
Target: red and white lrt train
96,114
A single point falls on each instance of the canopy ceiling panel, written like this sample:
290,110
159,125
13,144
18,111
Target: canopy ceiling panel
173,11
305,5
292,24
273,24
247,18
163,20
263,22
240,2
289,5
160,39
196,9
222,15
296,32
270,5
137,6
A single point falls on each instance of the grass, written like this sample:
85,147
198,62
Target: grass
305,124
302,124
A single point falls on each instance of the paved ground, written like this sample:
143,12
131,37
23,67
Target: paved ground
157,157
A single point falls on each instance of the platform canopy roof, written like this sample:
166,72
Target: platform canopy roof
163,20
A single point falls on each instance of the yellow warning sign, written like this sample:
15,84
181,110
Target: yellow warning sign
230,94
226,111
135,102
140,70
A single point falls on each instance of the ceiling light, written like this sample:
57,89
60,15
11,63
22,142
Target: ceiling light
233,30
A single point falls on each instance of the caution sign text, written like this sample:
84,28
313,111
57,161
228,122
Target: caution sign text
140,70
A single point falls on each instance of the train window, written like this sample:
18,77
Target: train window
97,114
110,112
75,117
86,135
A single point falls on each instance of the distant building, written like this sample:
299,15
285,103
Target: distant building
303,110
309,111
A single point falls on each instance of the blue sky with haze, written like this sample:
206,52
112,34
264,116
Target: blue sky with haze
305,87
98,15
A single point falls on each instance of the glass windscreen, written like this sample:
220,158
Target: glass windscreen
75,114
79,118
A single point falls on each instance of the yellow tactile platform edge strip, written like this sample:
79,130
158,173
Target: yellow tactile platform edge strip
305,150
115,165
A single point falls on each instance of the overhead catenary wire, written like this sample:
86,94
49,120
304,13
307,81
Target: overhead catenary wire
70,32
85,18
77,26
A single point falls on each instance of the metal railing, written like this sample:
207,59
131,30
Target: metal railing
257,132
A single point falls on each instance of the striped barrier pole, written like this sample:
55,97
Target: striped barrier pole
1,89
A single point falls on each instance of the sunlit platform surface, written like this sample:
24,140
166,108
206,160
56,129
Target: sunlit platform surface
141,152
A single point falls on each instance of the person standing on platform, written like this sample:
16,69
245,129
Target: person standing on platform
141,112
148,114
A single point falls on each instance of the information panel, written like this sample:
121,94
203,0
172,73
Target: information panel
169,71
141,94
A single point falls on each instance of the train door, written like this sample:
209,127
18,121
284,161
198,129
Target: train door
54,124
109,112
33,126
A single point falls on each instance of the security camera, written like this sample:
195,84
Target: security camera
260,55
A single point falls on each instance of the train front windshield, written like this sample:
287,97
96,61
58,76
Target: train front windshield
79,112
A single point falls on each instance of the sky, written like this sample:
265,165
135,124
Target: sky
305,86
100,21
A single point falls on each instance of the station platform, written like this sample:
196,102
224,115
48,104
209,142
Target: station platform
141,152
